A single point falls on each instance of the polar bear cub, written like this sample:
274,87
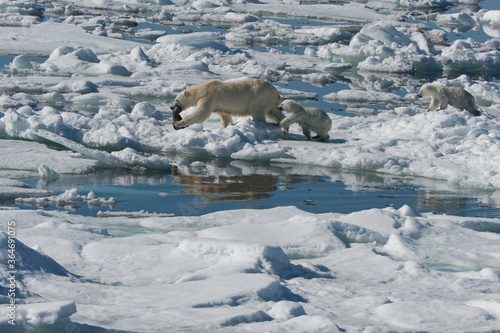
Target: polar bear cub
310,119
442,95
245,97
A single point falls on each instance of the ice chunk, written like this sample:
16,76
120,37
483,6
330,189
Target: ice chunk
286,310
195,38
46,173
21,62
68,198
50,313
28,260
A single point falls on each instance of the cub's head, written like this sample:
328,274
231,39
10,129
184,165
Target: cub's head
425,90
288,105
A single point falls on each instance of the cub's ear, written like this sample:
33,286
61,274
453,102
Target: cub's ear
186,93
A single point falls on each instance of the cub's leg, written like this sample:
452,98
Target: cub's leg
323,137
434,105
444,103
307,132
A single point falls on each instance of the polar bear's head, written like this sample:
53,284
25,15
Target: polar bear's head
183,100
426,90
290,106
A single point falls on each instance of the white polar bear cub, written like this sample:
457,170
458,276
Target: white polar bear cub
310,119
442,95
246,97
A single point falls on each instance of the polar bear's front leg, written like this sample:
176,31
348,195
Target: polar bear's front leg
202,113
292,118
434,104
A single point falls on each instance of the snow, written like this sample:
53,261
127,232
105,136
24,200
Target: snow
97,98
214,271
50,36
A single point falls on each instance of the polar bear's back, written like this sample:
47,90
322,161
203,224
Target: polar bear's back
318,118
243,97
458,97
443,95
456,92
317,113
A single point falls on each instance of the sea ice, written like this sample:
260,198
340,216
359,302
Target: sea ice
96,98
217,271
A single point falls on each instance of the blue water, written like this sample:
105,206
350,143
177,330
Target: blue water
319,190
490,4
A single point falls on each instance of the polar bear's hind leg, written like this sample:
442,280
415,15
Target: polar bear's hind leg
322,137
307,132
259,115
225,119
444,103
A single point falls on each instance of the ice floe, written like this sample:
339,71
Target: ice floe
232,268
82,91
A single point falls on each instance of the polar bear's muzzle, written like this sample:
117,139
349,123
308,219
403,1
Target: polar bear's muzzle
419,95
176,110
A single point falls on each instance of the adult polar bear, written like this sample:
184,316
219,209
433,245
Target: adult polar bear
245,97
442,95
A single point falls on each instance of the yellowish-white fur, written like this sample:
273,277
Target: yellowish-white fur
309,119
247,97
442,96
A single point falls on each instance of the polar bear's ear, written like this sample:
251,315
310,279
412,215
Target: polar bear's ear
186,93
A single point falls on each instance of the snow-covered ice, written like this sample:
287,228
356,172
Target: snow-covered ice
276,270
84,91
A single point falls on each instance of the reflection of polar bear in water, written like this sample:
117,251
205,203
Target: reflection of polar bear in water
442,95
310,119
246,97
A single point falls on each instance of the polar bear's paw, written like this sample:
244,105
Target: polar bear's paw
178,126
